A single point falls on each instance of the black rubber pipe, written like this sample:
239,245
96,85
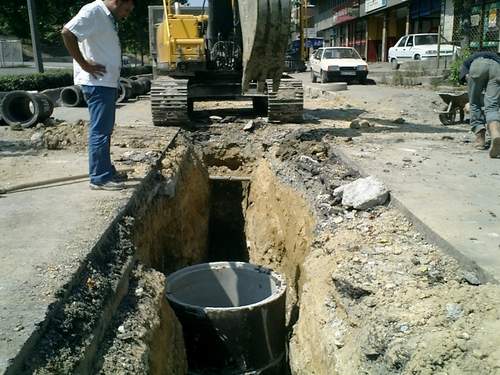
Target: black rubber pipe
26,109
232,316
72,96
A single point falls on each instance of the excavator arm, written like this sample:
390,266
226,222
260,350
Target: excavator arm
265,26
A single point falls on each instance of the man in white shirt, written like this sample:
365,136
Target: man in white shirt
91,38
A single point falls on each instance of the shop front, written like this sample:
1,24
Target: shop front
425,16
485,26
386,21
344,19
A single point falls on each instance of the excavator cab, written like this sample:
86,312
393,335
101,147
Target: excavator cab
233,49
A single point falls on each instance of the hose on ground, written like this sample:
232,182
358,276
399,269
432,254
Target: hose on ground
49,182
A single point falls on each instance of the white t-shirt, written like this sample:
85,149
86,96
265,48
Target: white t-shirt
94,26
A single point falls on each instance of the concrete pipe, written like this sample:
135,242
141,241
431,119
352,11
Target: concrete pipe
146,82
72,96
233,317
124,92
129,89
26,109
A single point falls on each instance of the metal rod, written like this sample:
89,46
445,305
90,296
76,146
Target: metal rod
439,46
35,41
47,182
301,30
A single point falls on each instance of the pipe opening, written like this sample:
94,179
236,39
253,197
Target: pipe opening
26,109
223,285
233,317
20,109
72,96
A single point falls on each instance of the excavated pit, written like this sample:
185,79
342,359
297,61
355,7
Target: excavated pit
365,292
223,219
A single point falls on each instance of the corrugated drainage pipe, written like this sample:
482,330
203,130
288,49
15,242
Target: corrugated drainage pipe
233,317
72,96
26,109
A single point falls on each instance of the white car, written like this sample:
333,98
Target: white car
331,63
419,47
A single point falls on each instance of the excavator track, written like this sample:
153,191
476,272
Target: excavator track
287,104
169,101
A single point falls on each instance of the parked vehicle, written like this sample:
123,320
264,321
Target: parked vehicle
333,63
419,47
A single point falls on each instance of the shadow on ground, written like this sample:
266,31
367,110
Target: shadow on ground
16,148
342,114
381,125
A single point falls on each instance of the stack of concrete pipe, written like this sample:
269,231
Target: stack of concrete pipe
128,88
25,108
28,108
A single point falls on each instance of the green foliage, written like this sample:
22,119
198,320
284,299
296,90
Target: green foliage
53,14
456,65
51,80
36,81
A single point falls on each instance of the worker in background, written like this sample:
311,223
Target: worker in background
91,38
482,73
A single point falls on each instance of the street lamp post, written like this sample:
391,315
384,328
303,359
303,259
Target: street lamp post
37,55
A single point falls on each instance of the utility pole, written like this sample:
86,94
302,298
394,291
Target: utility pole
303,12
301,30
37,53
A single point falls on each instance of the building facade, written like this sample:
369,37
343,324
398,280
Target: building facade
484,25
373,26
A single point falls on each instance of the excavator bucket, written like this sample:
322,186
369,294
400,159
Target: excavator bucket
265,26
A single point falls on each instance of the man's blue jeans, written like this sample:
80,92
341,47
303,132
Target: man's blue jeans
101,102
484,74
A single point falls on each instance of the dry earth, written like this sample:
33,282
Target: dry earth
367,294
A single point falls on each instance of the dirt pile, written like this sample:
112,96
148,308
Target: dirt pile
61,135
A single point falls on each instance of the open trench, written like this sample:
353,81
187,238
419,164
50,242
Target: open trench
366,293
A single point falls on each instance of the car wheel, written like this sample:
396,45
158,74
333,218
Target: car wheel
394,64
313,77
417,57
323,76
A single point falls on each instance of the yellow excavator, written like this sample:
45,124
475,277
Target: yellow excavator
233,49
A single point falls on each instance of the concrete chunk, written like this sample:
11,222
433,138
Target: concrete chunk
363,193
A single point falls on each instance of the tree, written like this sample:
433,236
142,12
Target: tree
53,14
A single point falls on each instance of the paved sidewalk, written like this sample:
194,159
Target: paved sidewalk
46,232
450,189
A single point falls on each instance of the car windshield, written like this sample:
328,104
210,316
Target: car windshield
340,53
426,39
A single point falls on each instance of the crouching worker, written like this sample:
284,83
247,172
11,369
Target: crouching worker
91,38
481,71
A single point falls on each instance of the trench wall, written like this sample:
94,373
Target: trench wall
279,228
